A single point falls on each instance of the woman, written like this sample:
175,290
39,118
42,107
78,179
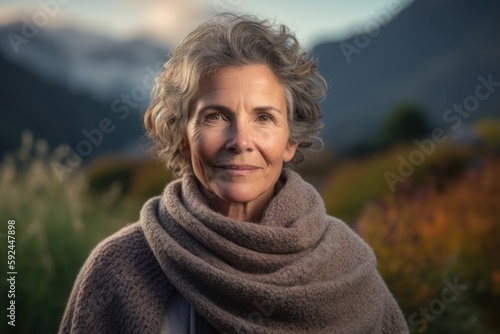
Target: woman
240,243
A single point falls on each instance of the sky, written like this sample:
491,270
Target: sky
312,20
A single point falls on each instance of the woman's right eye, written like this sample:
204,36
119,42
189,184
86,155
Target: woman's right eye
214,117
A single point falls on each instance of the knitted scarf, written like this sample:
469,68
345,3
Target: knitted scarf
297,271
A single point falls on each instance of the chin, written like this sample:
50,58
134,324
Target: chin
238,193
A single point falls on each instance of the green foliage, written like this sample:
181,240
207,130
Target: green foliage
489,131
354,182
137,178
57,225
406,123
426,236
441,223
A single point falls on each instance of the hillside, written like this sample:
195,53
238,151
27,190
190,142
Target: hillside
57,114
430,54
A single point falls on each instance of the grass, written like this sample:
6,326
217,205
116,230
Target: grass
57,224
425,236
442,222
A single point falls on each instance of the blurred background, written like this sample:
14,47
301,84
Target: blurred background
411,154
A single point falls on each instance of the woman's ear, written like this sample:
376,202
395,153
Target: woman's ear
184,149
290,150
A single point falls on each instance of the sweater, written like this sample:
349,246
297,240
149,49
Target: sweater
297,271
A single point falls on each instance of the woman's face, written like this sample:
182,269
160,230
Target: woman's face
237,136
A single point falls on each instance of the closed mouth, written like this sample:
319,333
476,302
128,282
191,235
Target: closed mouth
237,167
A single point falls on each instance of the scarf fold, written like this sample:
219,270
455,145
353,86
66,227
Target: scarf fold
297,271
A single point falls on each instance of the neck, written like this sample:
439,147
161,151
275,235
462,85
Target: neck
238,211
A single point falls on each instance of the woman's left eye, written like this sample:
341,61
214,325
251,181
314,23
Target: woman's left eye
265,118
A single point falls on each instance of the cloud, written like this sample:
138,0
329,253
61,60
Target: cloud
9,14
170,20
164,20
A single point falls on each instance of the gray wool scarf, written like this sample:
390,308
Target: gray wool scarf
297,271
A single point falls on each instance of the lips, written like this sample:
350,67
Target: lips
237,170
237,167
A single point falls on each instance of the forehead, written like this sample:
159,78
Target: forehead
232,81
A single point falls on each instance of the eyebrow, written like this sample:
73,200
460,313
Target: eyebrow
226,109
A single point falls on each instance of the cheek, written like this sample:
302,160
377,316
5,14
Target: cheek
204,144
274,147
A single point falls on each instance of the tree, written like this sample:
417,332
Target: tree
406,123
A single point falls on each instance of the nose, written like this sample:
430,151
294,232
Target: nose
239,137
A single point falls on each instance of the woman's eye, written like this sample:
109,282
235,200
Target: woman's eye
265,118
214,117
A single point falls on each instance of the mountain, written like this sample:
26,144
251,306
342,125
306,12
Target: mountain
83,61
60,115
430,54
62,81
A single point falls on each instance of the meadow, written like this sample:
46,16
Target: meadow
438,231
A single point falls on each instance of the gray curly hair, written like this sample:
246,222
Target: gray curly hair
230,40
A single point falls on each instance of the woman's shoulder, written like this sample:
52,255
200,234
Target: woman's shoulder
128,238
126,249
119,277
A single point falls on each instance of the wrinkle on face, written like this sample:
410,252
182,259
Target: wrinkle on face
238,139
